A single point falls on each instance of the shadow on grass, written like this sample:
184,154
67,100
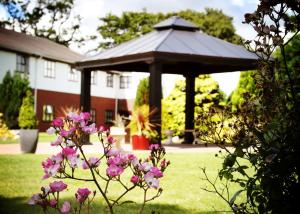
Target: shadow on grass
19,205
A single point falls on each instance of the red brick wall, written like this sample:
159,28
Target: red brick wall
62,101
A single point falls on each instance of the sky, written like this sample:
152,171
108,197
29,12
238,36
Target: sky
92,10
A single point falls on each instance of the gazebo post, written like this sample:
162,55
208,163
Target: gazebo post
155,69
85,95
189,108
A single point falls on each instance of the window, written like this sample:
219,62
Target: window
124,81
93,115
93,77
73,75
108,116
22,64
48,113
109,80
49,70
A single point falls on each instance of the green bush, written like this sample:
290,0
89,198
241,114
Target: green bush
142,93
12,91
27,118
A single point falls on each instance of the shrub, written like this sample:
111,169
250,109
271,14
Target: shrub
27,118
142,93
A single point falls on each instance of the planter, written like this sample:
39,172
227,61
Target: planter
119,135
28,140
140,142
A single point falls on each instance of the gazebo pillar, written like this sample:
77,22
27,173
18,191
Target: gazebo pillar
189,108
85,95
155,96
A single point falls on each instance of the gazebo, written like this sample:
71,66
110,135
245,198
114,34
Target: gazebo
176,46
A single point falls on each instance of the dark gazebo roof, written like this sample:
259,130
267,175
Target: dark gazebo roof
179,45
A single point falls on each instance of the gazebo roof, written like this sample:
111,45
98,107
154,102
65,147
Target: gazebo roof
180,46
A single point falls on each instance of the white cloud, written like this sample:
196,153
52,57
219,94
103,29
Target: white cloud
239,3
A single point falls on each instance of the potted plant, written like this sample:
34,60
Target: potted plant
118,131
140,128
28,124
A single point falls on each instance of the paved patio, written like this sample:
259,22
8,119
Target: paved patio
46,148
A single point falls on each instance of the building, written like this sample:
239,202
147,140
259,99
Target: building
56,85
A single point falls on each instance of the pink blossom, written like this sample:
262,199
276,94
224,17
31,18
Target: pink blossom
156,172
154,146
82,194
93,161
51,131
145,167
131,157
101,129
53,203
113,170
74,160
64,133
135,179
66,207
74,117
57,186
114,161
85,115
52,165
58,122
58,158
113,152
58,141
68,151
110,139
135,162
35,199
91,129
151,181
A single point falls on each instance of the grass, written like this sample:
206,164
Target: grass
20,177
43,138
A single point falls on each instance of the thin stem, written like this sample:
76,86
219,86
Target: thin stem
96,182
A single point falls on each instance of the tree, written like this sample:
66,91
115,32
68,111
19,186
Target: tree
129,25
142,93
207,96
246,85
12,91
48,19
266,131
27,118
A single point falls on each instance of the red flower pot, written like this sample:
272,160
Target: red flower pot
140,142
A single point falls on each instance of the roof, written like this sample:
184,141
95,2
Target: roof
174,41
23,43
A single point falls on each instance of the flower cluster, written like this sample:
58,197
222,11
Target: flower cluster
71,135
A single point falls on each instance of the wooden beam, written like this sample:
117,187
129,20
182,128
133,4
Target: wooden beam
85,95
155,69
189,108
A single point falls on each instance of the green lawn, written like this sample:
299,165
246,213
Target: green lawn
20,177
44,138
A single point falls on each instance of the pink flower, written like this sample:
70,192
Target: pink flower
93,161
135,179
58,122
113,170
113,152
151,181
53,203
34,199
154,146
58,141
66,207
131,157
156,172
68,151
52,165
57,186
51,131
82,194
91,129
101,129
64,133
145,167
85,115
110,139
74,117
74,160
114,161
